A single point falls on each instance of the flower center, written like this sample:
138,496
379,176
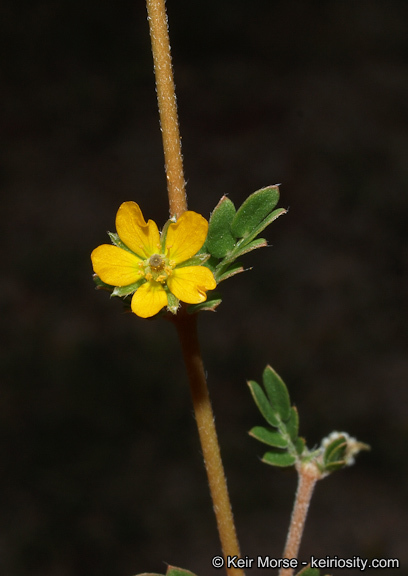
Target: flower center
157,268
156,262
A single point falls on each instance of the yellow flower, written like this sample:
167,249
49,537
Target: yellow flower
157,264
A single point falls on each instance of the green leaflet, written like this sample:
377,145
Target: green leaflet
263,404
231,270
220,240
270,437
277,392
254,210
281,459
292,424
248,247
268,220
300,445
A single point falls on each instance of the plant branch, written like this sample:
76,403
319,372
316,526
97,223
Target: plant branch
187,324
166,98
187,330
308,474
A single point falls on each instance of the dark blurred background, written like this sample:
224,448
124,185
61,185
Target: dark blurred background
101,472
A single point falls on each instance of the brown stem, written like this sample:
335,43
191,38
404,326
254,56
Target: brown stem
166,98
187,325
187,331
308,476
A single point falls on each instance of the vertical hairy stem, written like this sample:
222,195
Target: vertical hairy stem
166,98
308,476
187,330
187,325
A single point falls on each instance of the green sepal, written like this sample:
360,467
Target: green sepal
263,404
248,247
209,305
292,424
163,234
99,285
116,241
196,260
269,437
254,210
308,571
282,459
122,291
232,270
277,393
173,303
220,240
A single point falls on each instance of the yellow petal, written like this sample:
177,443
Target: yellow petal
115,266
149,299
141,238
189,284
186,236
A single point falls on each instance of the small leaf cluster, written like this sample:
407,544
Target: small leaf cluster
334,455
336,450
282,435
233,233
